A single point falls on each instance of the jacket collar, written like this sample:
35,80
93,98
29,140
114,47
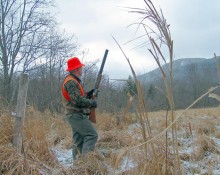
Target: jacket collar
77,78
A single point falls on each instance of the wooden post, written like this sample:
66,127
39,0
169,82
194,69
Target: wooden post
20,112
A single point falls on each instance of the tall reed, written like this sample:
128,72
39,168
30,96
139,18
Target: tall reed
159,37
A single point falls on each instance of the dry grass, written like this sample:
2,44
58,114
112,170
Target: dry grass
199,126
45,130
106,122
36,156
41,132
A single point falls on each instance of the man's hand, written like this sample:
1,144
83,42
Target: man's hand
89,94
93,104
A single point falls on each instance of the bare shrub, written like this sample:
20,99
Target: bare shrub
92,164
205,129
105,122
6,128
203,144
206,143
115,139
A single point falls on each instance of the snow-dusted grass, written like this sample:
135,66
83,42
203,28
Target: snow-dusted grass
48,141
198,143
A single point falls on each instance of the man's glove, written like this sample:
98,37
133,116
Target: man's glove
96,91
89,94
93,104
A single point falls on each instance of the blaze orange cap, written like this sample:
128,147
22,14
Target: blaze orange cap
73,63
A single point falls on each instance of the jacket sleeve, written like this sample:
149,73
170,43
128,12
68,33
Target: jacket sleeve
74,92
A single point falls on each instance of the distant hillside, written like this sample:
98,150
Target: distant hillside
191,78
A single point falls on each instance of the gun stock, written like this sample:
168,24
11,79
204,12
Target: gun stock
92,114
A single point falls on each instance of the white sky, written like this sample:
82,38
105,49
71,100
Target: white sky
194,25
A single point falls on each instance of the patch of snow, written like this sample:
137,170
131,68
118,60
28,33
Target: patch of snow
217,141
217,127
64,156
187,145
209,162
133,126
205,117
127,164
217,171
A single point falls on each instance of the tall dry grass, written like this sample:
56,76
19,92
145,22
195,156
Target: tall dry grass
149,146
36,156
159,37
44,131
150,14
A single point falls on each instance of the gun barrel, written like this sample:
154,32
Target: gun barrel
92,115
98,80
103,62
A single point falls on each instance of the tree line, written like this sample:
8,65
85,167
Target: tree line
189,83
31,42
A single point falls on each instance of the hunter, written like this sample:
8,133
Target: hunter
77,106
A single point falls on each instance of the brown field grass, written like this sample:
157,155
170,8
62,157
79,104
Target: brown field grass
45,130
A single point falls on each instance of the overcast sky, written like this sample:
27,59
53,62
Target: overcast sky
194,25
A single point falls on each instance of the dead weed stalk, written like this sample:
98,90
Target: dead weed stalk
159,38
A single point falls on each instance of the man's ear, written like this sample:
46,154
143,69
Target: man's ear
73,71
76,70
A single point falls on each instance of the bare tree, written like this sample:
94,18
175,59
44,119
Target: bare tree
47,78
23,25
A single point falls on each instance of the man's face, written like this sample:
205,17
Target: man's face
79,71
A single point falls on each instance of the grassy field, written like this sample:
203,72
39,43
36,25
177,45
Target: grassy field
120,149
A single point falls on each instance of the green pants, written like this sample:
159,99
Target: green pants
84,133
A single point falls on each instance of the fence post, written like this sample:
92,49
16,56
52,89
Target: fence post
20,112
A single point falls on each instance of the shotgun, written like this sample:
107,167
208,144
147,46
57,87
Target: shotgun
92,115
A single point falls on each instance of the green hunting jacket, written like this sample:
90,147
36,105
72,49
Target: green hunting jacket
77,103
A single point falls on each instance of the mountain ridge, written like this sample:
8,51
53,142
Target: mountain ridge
191,78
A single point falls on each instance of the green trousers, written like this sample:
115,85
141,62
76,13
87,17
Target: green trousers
84,133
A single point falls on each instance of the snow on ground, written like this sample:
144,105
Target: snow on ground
64,156
217,141
127,164
208,164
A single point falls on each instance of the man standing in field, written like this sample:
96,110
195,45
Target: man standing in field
77,106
